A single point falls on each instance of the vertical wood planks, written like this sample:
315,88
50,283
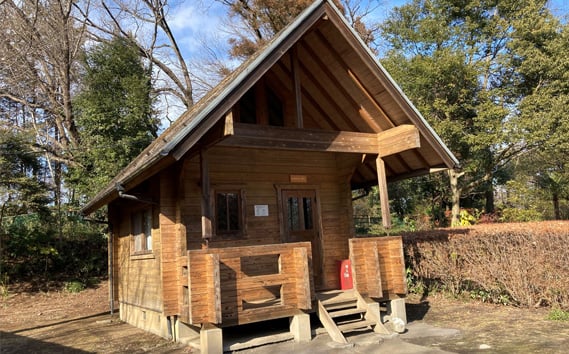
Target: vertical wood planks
378,266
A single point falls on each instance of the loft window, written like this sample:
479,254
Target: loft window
228,213
248,107
275,108
142,230
270,104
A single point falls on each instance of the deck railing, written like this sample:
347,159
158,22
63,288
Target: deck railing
239,285
378,266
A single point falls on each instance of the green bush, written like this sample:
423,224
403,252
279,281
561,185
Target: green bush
44,247
520,215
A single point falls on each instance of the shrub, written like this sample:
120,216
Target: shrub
521,215
34,247
74,286
523,264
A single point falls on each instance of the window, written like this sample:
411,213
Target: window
275,106
142,230
266,101
299,213
228,213
248,107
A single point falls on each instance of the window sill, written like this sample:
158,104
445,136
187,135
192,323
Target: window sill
142,255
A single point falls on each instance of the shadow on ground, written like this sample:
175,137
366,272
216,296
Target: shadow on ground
13,343
417,311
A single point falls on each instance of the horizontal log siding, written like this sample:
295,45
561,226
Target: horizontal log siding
257,172
138,279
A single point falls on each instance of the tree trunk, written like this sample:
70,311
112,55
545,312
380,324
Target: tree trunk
556,208
455,197
489,194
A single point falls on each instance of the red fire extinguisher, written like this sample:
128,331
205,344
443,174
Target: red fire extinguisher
346,280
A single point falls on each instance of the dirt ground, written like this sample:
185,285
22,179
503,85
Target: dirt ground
59,322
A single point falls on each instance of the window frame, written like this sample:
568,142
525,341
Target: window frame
142,229
241,210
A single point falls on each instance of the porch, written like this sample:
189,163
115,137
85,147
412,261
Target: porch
221,287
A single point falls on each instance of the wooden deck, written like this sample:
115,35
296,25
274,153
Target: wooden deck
240,285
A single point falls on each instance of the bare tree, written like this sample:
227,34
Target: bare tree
39,47
256,21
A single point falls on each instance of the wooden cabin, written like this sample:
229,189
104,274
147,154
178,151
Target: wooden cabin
241,211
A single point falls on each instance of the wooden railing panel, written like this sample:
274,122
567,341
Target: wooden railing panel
204,283
303,290
248,284
380,273
392,263
365,267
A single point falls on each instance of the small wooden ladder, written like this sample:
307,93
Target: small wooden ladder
342,311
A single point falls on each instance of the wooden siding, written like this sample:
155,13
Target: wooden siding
258,172
138,277
169,239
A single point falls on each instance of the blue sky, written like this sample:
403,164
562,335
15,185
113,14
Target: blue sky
196,22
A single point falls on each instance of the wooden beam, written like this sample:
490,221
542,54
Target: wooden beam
330,104
228,128
386,143
398,139
297,87
395,92
383,196
255,136
205,202
344,92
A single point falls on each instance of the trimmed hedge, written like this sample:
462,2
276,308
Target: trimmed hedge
526,264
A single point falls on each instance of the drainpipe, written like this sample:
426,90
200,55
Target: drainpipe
124,195
111,271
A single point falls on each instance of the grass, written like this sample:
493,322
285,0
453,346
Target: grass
558,315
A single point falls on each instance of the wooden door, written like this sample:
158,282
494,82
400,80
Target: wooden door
301,219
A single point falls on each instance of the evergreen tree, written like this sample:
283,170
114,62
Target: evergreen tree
460,62
114,113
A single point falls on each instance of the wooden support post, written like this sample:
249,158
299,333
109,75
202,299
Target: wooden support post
205,202
297,87
228,128
383,197
211,339
300,328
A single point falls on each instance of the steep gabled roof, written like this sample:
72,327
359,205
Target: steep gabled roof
321,24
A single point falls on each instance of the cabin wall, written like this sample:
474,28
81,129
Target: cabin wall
137,277
258,172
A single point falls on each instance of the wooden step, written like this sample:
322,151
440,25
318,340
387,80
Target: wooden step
336,296
347,312
334,307
340,305
353,325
